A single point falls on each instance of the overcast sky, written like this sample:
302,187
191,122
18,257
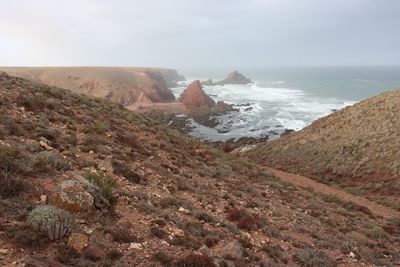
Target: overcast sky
203,33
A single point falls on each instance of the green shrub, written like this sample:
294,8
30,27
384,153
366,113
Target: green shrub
14,164
32,102
10,127
376,232
314,258
105,183
52,221
195,260
121,169
54,160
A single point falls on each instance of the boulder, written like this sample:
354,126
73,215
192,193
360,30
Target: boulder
221,108
72,196
233,250
78,242
195,98
78,194
235,78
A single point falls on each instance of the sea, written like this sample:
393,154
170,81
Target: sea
281,98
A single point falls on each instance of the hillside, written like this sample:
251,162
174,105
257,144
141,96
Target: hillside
86,182
357,148
127,86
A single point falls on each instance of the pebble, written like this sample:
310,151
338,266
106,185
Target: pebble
352,255
43,198
183,210
45,146
135,246
3,251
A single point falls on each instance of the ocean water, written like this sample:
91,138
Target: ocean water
286,97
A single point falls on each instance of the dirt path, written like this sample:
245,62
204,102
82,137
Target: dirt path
375,208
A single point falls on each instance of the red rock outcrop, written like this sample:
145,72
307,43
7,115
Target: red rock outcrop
195,98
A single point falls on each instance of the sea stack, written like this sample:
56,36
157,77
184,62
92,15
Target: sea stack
195,98
208,82
235,78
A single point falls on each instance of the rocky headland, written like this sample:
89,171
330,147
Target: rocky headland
127,86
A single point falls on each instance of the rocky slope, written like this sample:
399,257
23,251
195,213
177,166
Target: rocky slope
357,147
86,182
235,78
126,86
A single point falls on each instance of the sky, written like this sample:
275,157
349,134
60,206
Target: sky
199,34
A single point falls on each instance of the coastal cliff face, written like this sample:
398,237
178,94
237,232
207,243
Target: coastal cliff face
193,97
357,147
172,77
126,86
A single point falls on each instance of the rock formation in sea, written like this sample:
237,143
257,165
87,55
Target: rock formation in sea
208,82
235,78
194,98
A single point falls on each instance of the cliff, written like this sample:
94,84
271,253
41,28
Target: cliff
126,86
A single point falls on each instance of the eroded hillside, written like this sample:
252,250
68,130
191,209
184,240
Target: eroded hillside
357,147
85,182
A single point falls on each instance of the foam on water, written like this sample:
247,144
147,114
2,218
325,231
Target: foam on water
264,110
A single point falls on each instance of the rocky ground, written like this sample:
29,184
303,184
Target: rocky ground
357,148
85,182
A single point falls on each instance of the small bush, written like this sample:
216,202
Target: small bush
50,220
244,219
124,171
24,236
106,185
162,258
98,127
32,102
235,214
10,127
314,258
54,160
14,165
11,184
122,234
376,232
195,260
158,232
48,133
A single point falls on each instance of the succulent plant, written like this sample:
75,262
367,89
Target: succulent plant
52,221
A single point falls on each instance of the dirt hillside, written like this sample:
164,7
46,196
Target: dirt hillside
86,182
357,148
